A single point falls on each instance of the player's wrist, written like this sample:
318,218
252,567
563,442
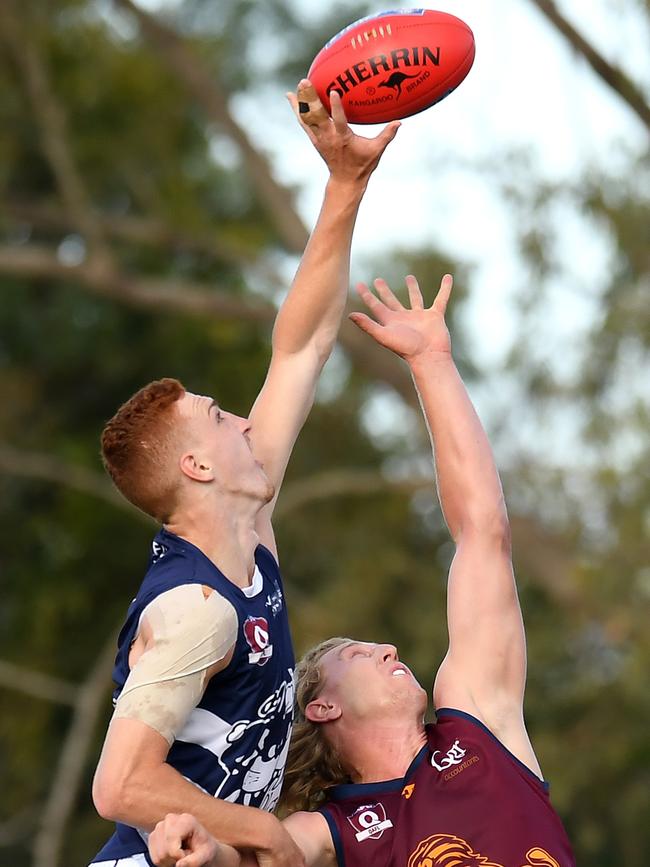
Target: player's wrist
348,189
423,361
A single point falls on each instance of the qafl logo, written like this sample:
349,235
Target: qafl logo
256,633
369,822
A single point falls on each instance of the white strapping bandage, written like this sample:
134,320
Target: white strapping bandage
189,633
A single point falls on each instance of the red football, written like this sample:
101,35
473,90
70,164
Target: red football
394,64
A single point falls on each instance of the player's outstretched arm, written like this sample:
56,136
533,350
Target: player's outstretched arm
308,321
485,668
180,839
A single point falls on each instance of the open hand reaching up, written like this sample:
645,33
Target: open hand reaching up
408,332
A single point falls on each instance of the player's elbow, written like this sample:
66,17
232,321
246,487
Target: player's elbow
114,795
104,797
490,525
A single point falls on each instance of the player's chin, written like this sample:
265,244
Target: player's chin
258,487
269,489
413,698
407,688
400,688
406,683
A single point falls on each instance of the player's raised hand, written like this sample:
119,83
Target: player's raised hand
407,331
181,841
348,156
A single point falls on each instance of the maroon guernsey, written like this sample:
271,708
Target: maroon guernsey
465,800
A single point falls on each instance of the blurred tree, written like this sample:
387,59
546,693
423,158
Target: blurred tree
143,234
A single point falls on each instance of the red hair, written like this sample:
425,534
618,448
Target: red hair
138,447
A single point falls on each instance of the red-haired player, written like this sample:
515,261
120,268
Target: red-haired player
204,671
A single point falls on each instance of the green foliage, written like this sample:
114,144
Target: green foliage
371,565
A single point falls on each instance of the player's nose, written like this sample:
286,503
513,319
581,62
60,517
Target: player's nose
387,652
243,424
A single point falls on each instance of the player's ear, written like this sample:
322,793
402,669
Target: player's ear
321,711
196,467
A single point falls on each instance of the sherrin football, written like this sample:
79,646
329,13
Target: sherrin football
395,64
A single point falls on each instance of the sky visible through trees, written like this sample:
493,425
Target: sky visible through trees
155,201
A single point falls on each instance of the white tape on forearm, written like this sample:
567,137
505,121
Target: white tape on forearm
189,633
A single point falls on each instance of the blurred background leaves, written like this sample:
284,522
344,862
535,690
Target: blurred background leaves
144,234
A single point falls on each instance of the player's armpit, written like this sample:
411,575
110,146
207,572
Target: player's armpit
190,633
312,836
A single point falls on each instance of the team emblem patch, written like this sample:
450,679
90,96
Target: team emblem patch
369,822
256,632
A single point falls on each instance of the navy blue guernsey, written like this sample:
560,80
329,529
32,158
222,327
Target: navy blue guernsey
235,742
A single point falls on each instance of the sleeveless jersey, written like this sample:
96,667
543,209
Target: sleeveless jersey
234,744
465,800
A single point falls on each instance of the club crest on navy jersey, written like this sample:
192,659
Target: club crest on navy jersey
369,822
256,633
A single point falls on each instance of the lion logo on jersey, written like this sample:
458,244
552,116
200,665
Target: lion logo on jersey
445,850
539,858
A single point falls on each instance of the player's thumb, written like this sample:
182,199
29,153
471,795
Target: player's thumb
388,134
195,859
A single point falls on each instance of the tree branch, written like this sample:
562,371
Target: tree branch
36,684
72,759
204,87
51,121
47,468
19,826
135,230
192,298
542,554
612,75
341,483
539,552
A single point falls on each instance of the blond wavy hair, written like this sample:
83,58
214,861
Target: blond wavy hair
313,766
